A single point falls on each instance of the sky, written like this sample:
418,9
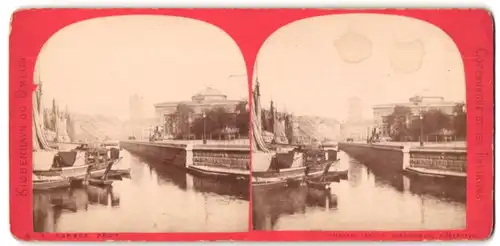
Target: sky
94,66
309,67
313,66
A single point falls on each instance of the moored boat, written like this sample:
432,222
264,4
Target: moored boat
287,164
328,170
49,183
124,171
220,173
100,182
282,169
66,164
115,173
278,177
103,180
321,168
98,170
115,177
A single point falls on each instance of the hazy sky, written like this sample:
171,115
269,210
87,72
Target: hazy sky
313,66
94,66
309,67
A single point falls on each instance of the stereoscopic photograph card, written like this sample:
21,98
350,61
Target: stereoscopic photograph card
251,124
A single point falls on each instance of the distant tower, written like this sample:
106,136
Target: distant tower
355,112
136,103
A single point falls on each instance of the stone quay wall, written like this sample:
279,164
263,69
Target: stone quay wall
169,153
185,155
233,157
376,156
399,157
439,159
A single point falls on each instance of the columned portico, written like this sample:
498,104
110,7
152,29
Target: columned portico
204,101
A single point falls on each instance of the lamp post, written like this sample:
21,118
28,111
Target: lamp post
190,120
204,128
236,124
417,100
455,115
421,129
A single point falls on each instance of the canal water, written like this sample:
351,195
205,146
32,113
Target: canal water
156,198
369,200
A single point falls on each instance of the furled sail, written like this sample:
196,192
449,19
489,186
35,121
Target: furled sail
43,154
39,140
258,141
262,156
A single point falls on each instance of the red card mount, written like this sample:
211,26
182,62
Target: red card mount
470,29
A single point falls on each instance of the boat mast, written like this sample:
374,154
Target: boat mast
56,124
258,140
39,138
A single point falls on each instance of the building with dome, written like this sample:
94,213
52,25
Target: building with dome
417,105
201,102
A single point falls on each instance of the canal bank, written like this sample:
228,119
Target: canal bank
156,198
434,160
370,199
215,160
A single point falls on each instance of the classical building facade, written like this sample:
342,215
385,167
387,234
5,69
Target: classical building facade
205,100
417,105
356,130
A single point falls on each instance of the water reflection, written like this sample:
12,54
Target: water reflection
156,198
222,187
270,204
368,200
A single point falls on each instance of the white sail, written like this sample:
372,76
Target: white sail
37,122
43,154
261,156
258,141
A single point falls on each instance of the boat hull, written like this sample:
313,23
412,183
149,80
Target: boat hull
281,173
337,175
76,172
278,178
100,182
51,184
120,171
220,174
284,177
